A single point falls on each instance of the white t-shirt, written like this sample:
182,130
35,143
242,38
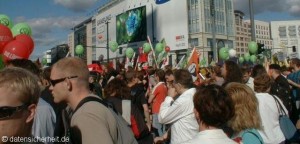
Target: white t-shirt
271,132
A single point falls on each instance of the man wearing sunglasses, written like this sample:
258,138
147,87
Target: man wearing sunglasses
19,93
92,122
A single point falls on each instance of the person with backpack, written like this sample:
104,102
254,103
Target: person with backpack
118,93
246,120
138,95
92,122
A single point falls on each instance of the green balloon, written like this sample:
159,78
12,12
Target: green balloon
146,47
252,46
253,58
44,61
159,47
224,53
129,52
247,56
5,20
113,46
79,49
21,28
241,59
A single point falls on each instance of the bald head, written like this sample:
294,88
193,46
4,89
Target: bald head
73,66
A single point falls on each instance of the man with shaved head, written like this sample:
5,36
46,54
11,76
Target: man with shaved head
92,122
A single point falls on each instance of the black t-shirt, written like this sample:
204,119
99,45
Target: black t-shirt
282,81
117,103
138,97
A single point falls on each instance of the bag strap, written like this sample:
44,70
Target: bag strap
279,106
126,110
248,131
97,99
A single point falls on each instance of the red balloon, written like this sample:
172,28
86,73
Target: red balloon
27,40
15,50
5,36
167,48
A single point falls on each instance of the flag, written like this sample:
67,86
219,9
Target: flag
95,67
127,63
161,57
143,57
203,62
153,52
165,62
180,64
132,59
150,58
193,64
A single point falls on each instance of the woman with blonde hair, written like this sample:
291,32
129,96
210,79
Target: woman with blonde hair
246,120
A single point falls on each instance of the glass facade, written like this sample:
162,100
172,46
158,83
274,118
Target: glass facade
223,17
194,16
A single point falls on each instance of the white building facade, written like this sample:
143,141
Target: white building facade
285,35
182,24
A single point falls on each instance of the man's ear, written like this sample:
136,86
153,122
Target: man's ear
32,111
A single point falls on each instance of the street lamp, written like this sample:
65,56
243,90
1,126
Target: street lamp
107,39
252,20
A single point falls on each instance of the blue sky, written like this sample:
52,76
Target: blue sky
51,20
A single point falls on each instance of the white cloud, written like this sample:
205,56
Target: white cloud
49,32
260,6
44,28
76,5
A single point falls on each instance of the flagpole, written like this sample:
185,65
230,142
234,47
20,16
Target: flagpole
136,65
153,52
180,61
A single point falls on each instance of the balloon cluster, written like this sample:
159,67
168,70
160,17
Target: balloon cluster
159,47
252,47
15,41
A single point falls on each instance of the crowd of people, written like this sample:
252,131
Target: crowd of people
229,103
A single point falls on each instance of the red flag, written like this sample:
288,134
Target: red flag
143,57
95,67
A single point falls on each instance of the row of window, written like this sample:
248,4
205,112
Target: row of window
262,37
262,32
283,34
262,27
242,39
242,29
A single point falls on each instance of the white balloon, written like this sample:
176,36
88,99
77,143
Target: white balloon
232,52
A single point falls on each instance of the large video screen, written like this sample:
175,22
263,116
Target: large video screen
132,26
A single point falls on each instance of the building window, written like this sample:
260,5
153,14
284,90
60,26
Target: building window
194,42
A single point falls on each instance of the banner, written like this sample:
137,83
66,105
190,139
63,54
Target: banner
193,64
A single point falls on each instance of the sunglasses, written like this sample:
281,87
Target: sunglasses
56,81
8,111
